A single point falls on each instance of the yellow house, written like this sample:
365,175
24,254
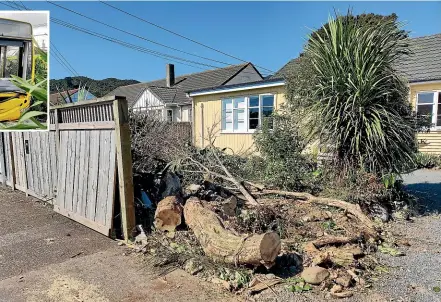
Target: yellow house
423,71
228,115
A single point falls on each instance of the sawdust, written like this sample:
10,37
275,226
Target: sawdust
68,289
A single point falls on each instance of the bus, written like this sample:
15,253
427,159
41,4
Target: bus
16,58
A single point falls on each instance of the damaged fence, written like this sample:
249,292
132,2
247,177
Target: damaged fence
83,164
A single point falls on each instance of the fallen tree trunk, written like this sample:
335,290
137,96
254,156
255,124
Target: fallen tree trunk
168,214
224,246
332,240
354,209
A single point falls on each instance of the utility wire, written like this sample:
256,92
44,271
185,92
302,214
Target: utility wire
181,36
128,45
64,59
110,39
135,35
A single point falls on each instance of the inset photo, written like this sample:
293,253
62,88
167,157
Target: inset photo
24,44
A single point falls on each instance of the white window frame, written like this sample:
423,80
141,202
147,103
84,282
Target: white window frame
435,103
246,108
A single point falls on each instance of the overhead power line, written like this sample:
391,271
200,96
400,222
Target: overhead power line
135,35
140,37
181,36
168,57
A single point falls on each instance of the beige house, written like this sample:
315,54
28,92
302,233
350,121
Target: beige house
231,113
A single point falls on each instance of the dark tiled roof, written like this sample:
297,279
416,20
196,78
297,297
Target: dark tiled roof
423,65
287,68
425,62
176,93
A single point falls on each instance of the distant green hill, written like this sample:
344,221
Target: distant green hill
96,87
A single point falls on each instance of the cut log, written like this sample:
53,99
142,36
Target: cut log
168,214
222,245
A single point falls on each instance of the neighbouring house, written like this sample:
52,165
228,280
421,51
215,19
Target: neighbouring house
167,97
57,99
233,112
423,72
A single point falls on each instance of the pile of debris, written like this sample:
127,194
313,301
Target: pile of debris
290,239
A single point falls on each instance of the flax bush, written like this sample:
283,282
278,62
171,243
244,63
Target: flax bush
354,101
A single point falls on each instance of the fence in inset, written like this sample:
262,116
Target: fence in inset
77,163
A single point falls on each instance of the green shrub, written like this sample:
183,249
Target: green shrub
427,161
282,163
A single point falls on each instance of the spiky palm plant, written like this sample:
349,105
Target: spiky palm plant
356,103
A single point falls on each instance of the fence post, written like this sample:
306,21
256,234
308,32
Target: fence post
12,163
124,162
57,132
2,158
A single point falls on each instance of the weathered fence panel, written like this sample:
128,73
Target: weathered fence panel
76,163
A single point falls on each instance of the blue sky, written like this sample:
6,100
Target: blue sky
266,33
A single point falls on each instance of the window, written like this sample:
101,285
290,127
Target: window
169,115
245,114
429,104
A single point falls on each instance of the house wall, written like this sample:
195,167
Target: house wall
249,74
185,114
428,142
148,99
211,117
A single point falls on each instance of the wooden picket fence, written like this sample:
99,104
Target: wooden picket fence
77,164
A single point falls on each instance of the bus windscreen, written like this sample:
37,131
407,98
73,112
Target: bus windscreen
14,29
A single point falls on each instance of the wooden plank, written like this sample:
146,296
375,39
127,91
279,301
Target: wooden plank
42,168
23,162
52,163
35,171
70,171
2,159
46,151
77,170
93,174
62,168
82,174
112,182
85,177
11,161
84,221
8,158
28,162
103,177
124,160
85,126
16,158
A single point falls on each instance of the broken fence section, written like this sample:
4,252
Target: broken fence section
77,164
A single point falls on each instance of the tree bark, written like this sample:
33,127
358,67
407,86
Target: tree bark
222,245
168,214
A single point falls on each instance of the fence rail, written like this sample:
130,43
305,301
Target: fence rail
78,163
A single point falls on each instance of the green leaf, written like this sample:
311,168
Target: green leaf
29,115
36,104
437,289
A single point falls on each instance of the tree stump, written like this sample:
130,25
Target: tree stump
168,214
224,246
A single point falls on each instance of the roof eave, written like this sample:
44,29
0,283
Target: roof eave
246,86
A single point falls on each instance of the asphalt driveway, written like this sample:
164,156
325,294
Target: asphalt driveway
47,257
